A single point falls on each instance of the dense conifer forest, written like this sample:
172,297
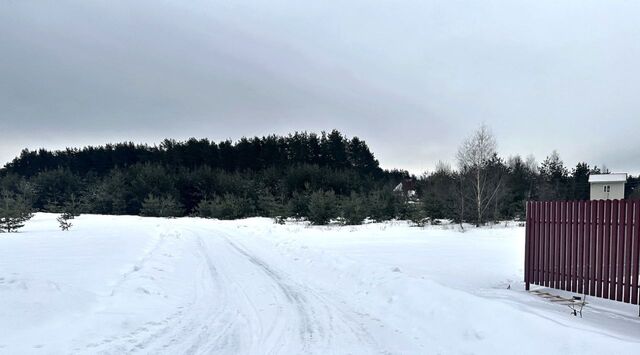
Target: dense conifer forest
319,177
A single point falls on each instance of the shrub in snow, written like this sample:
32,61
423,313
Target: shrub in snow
298,205
384,205
267,205
65,220
225,207
415,213
322,207
70,210
14,212
354,209
154,206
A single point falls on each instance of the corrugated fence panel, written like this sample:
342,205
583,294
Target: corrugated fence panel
587,247
613,250
593,243
546,269
574,243
619,280
581,238
627,252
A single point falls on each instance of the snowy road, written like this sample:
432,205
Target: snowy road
130,285
197,291
243,305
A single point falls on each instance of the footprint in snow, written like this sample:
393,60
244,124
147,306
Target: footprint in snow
143,290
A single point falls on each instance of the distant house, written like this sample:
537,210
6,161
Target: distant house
607,186
407,188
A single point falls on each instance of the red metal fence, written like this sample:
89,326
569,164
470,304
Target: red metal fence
586,247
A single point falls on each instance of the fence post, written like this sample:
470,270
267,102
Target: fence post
527,247
613,249
580,245
563,246
622,224
593,242
635,257
601,237
586,247
574,245
627,247
539,235
552,244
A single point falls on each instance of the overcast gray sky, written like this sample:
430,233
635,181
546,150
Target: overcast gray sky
412,78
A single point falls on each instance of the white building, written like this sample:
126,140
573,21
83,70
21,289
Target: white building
607,186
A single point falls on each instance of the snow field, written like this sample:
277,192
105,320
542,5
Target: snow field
115,285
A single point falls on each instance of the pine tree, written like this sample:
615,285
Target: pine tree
267,205
580,177
416,213
14,212
383,204
70,211
322,207
205,209
520,184
161,207
227,206
555,178
65,220
354,209
298,205
438,191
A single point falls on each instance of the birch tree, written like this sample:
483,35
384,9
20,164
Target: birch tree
474,158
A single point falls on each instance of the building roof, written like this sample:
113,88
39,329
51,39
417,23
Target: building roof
618,177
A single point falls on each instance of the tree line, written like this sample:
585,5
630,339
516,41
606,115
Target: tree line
302,175
486,187
318,177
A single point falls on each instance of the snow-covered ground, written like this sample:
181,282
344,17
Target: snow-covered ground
118,285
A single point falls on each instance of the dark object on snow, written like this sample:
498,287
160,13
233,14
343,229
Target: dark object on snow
69,211
576,303
65,220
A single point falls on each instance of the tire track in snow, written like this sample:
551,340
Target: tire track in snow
209,323
308,328
237,304
317,325
185,330
194,326
141,263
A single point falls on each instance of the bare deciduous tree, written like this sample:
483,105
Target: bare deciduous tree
474,157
